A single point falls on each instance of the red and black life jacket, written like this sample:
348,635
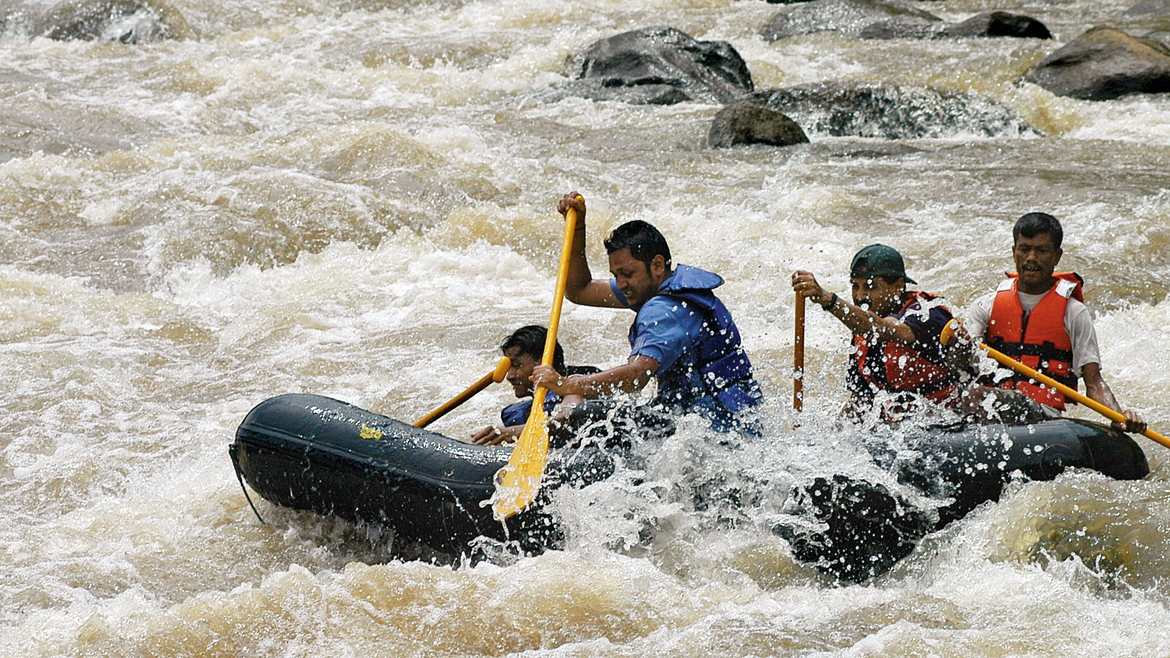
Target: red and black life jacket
904,369
1037,339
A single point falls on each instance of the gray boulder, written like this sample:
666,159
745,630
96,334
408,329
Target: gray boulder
659,65
845,109
127,21
998,24
745,123
1103,64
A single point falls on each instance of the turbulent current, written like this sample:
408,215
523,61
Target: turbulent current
358,199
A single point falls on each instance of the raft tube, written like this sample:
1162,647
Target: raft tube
866,528
314,453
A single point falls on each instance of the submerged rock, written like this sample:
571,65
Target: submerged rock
1103,64
657,66
887,112
870,19
849,17
1150,8
746,123
126,21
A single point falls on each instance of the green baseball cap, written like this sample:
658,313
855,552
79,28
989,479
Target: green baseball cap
878,260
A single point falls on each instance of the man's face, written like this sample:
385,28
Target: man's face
1036,260
877,295
637,281
520,373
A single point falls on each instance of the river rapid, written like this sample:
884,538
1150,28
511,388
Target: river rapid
357,199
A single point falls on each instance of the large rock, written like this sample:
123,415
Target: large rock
127,21
1103,64
998,24
844,109
745,123
658,65
870,19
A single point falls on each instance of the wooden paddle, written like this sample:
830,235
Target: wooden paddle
494,377
798,357
518,481
1068,392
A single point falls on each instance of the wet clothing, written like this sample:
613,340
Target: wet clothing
517,413
1038,336
690,333
907,370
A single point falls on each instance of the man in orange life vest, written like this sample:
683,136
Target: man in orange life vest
1038,317
895,335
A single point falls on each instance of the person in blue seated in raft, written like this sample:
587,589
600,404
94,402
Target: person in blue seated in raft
682,336
524,348
1038,317
896,348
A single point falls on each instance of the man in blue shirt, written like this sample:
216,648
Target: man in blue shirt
683,335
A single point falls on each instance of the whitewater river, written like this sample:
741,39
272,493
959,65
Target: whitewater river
357,199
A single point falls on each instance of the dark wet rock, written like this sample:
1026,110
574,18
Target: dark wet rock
845,109
1150,8
127,21
658,66
1103,64
998,24
850,17
869,19
745,123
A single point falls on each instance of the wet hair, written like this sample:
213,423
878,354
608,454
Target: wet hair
642,239
1036,223
530,340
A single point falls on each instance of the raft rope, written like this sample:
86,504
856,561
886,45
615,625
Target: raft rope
240,477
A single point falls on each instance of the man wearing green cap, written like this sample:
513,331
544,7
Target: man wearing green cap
897,355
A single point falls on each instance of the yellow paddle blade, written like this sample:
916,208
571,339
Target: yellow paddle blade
518,482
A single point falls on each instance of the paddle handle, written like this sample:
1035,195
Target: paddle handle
494,377
798,357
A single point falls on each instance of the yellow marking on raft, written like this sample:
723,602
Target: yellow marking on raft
371,433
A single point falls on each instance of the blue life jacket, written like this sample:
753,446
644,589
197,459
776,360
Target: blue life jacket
517,413
715,376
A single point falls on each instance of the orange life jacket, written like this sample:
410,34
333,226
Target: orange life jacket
904,369
1038,339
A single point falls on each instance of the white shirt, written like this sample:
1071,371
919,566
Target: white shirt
1078,324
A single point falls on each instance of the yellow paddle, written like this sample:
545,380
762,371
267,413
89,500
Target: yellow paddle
494,377
518,481
949,331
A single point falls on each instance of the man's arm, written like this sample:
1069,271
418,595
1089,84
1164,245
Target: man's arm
628,378
1097,389
580,286
860,321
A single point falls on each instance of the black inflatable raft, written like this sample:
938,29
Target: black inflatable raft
314,453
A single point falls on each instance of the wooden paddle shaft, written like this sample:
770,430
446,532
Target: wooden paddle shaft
798,357
1068,392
